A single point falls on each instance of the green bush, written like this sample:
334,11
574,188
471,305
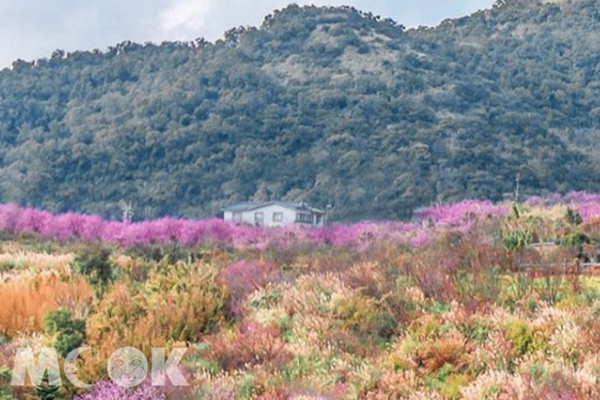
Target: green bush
363,316
66,342
476,331
573,217
178,302
517,239
7,266
5,377
451,386
69,333
576,239
520,335
95,264
46,391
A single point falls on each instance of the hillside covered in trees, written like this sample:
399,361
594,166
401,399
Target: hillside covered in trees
325,105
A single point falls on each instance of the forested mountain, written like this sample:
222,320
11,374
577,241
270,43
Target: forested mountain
318,104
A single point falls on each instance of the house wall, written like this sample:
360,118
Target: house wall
228,216
248,217
289,216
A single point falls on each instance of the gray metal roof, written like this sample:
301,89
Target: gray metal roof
255,205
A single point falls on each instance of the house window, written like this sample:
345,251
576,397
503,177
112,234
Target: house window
304,218
277,217
259,217
237,217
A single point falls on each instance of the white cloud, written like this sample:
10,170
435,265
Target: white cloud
188,15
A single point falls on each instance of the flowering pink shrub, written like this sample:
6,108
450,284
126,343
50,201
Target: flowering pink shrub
9,217
73,226
460,217
585,203
244,277
33,221
460,214
110,391
422,237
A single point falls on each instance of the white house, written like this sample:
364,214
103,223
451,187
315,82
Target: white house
274,213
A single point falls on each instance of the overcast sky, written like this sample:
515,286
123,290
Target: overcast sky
31,29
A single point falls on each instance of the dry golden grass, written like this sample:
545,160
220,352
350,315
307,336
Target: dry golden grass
26,266
24,303
36,261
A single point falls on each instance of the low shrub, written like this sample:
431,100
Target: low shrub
449,350
68,333
178,303
95,264
451,387
363,316
243,277
5,378
250,344
524,338
111,391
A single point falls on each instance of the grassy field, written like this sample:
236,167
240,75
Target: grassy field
450,317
